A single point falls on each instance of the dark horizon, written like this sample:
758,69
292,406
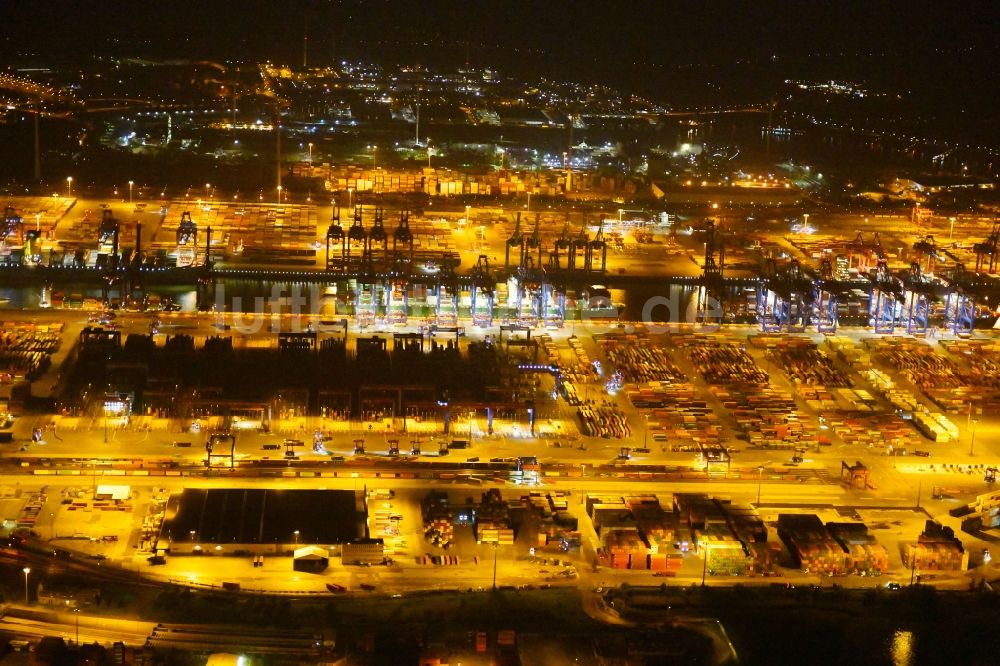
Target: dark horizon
578,36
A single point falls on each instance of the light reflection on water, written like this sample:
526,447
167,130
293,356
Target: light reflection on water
901,650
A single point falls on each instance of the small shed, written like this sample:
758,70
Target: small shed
311,559
113,493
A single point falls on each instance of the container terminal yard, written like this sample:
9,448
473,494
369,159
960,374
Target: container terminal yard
486,409
649,352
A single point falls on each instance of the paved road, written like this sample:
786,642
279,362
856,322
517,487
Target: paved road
34,623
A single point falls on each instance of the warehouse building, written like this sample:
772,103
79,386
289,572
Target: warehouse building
221,521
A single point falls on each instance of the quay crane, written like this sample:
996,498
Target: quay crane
187,234
785,298
367,295
12,225
561,244
532,292
926,249
711,285
187,230
920,292
597,246
355,234
987,252
966,291
826,298
529,299
885,296
334,235
533,243
397,287
402,236
483,288
516,240
377,235
446,306
863,252
579,247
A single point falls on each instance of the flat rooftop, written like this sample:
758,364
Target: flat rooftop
257,516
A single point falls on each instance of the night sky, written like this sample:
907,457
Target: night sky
613,33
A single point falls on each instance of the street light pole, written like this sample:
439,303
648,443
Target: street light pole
296,534
69,187
760,473
972,439
310,154
26,570
496,547
130,184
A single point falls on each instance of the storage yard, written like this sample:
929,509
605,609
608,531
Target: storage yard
765,395
252,228
938,377
26,349
643,533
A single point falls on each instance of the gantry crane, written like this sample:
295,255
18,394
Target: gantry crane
561,244
355,234
187,230
446,308
579,248
926,249
402,236
483,289
533,243
516,240
885,296
862,252
711,285
529,299
987,254
920,215
785,298
334,235
13,227
827,292
597,246
377,235
919,294
398,286
960,303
